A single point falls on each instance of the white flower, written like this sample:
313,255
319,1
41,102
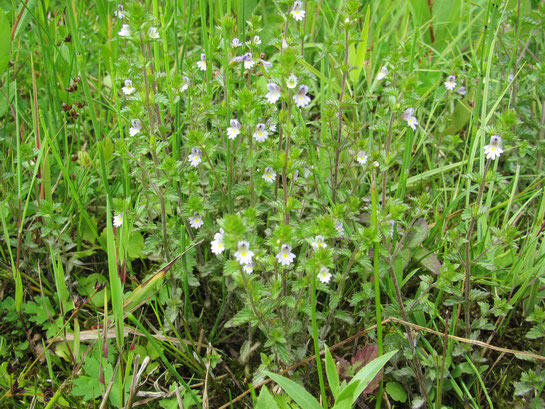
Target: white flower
284,44
319,242
269,175
248,268
119,13
494,150
243,254
292,81
196,221
408,116
266,64
510,77
118,220
340,228
296,11
202,63
236,59
194,157
285,257
217,245
324,275
234,130
461,91
274,93
383,73
125,31
260,133
301,99
135,128
153,33
248,61
376,164
257,40
185,85
450,83
128,89
235,42
271,125
362,157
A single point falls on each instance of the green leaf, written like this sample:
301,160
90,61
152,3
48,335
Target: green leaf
265,400
295,391
331,372
346,394
5,41
418,233
135,245
107,149
356,57
396,391
428,260
366,374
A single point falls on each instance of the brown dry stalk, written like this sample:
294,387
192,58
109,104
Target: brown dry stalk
399,321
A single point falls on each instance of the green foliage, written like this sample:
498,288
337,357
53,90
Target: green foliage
386,201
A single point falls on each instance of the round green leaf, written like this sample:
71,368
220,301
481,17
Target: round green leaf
396,391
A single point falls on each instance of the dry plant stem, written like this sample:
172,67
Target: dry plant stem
467,279
110,385
340,117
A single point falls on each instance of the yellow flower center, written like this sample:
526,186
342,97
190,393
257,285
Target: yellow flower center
243,254
285,255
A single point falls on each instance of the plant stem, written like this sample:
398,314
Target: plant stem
316,342
467,279
376,276
340,127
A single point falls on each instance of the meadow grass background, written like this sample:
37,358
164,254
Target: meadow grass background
435,251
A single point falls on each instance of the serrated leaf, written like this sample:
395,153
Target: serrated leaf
242,317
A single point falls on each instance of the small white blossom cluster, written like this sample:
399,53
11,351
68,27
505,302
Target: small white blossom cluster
383,73
362,157
301,98
194,157
296,11
493,151
118,220
217,245
269,176
196,221
450,85
285,257
201,64
408,116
